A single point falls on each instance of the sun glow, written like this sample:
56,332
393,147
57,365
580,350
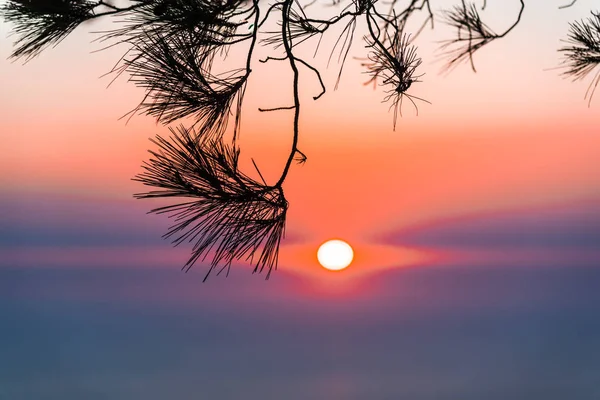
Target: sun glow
335,255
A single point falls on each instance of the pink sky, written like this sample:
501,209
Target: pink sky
511,137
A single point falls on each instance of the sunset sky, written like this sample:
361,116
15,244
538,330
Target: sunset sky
475,226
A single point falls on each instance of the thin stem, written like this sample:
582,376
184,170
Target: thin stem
568,5
285,32
276,108
374,36
254,36
316,71
516,22
114,9
243,80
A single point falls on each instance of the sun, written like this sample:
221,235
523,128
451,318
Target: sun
335,255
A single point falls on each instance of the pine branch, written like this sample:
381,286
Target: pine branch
395,61
582,55
210,21
473,34
176,75
229,216
43,23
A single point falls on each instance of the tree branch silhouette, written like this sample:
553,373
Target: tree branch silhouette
582,55
173,46
473,33
228,213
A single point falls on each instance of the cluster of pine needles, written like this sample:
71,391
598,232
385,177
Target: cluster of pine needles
227,213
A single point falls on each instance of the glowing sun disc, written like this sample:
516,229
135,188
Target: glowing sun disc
335,255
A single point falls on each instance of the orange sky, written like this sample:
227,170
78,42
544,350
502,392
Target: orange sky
510,137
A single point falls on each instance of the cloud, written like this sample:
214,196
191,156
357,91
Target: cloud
567,234
61,221
53,221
